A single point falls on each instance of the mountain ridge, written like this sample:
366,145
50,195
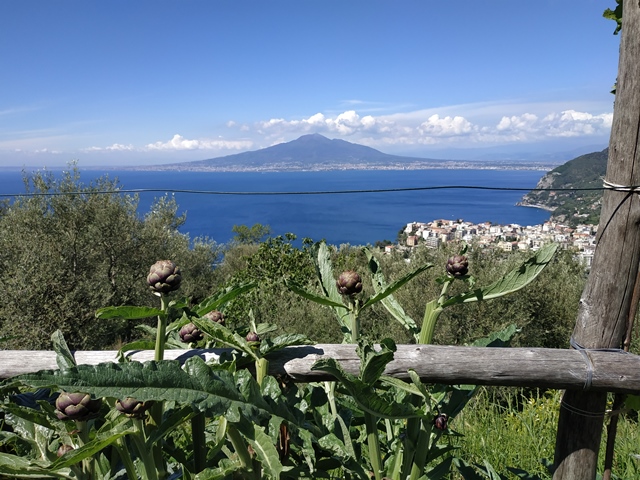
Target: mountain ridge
572,207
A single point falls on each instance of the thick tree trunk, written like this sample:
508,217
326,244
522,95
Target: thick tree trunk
606,300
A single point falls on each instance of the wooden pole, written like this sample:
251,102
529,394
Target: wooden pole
606,300
525,367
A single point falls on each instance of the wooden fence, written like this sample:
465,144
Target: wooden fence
595,371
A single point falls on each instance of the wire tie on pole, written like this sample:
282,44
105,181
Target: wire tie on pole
620,188
585,354
587,359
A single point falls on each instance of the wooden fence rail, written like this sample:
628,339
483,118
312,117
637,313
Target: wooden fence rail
602,371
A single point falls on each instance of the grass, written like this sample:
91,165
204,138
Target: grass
507,428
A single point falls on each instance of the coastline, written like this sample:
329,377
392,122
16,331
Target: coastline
536,205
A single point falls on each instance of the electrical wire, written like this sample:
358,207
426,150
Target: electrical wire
319,192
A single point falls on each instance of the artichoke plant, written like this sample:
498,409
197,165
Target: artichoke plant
164,277
349,283
190,333
215,316
457,266
62,449
440,421
252,337
77,406
133,408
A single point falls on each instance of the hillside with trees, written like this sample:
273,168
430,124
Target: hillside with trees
572,207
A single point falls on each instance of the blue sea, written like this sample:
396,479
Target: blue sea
354,218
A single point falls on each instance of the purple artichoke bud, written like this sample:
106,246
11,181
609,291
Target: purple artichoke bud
77,406
190,333
133,408
252,337
215,316
440,421
164,277
62,449
349,283
457,266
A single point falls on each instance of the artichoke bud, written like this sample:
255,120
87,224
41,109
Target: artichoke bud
133,408
62,449
457,266
440,421
349,283
252,337
164,277
77,406
215,316
190,333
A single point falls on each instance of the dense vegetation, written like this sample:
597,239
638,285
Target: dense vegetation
74,250
68,251
573,207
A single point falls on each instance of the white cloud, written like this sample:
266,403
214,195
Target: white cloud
446,127
428,127
524,122
575,124
178,142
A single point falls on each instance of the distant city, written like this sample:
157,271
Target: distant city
293,167
512,237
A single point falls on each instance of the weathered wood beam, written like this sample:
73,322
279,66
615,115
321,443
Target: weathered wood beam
524,367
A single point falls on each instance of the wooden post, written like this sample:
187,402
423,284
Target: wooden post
606,300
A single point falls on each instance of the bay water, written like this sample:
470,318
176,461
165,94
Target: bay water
354,218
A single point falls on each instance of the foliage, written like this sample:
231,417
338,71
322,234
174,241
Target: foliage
570,206
254,234
615,15
217,420
69,249
518,429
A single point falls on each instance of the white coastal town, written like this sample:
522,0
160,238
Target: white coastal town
581,239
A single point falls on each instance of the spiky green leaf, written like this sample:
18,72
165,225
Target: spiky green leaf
64,357
379,284
512,281
215,392
223,335
217,300
127,312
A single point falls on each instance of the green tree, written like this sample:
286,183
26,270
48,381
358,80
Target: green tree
250,235
67,250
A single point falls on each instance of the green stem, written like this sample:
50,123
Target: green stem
151,469
199,443
161,330
374,444
422,451
410,442
262,370
83,438
432,311
354,317
157,409
125,456
241,449
221,432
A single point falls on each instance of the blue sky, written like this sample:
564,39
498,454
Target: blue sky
155,81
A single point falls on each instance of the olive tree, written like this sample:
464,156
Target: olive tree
68,248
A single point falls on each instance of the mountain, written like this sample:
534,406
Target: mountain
571,207
315,152
309,152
